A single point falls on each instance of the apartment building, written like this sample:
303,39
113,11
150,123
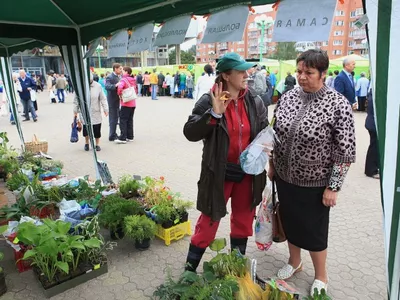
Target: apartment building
345,37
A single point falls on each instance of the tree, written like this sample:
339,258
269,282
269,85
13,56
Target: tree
285,51
187,57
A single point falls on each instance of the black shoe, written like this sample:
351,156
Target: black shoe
240,244
13,123
34,120
26,120
193,258
86,147
98,148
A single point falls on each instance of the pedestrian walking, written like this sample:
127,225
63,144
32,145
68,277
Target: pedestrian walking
27,85
113,100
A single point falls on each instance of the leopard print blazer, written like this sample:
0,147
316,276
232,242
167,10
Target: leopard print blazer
316,131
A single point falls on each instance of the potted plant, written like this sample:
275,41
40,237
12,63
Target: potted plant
182,207
166,214
141,229
114,211
129,187
3,286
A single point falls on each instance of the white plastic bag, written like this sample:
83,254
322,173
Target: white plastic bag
263,226
33,95
67,206
253,159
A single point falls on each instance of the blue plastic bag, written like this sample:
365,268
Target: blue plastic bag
74,131
253,159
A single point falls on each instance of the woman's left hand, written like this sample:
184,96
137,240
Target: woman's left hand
329,198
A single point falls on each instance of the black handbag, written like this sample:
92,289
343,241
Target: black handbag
234,172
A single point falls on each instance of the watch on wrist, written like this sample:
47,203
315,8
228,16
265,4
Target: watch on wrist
334,189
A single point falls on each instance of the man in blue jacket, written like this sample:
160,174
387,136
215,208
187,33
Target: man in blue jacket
344,82
27,85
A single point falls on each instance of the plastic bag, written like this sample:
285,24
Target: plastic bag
253,159
263,227
74,131
68,206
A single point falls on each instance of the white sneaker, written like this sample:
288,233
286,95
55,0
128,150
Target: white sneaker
319,285
129,140
288,271
117,141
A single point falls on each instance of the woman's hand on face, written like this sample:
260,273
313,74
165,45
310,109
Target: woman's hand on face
219,106
329,198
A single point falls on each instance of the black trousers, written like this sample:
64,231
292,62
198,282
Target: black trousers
146,90
161,91
113,119
372,159
361,103
126,122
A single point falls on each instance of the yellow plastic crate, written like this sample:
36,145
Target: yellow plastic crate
174,233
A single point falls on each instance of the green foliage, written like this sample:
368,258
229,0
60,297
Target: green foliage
318,296
182,206
187,57
285,51
17,210
200,287
8,157
129,187
90,193
52,248
139,228
115,209
17,181
165,212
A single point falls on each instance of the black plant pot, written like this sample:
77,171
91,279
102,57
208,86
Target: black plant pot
3,286
117,234
167,224
143,245
184,217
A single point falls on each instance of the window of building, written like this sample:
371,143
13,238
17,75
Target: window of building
339,13
338,33
337,42
350,52
325,43
351,24
359,11
339,23
352,43
353,14
337,52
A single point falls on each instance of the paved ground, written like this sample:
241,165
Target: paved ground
356,256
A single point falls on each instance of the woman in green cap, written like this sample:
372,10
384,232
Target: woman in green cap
227,119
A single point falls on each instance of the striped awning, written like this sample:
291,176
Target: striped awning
384,41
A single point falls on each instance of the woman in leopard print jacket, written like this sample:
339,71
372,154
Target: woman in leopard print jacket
315,127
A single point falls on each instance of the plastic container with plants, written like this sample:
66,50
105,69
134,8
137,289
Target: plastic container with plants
129,187
113,211
166,214
141,229
59,258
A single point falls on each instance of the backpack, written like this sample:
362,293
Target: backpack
53,81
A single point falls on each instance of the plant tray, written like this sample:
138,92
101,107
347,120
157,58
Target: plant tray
174,233
62,287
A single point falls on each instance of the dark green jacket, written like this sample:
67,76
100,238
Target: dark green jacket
210,197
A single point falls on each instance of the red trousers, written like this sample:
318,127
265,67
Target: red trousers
242,215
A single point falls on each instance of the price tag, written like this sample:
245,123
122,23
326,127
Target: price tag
96,267
16,241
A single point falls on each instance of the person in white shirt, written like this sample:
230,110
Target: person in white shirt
169,80
205,82
362,89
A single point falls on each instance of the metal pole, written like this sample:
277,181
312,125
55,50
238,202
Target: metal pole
98,53
262,40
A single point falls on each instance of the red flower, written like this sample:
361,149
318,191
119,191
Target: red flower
162,178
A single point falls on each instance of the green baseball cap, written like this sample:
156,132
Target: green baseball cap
233,61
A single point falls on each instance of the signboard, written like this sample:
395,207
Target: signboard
173,31
92,48
118,44
141,38
297,21
227,25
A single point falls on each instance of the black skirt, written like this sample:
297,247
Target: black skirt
304,218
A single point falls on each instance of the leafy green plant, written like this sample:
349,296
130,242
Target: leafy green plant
1,258
166,212
129,187
113,212
154,191
183,206
200,287
17,181
139,228
17,210
318,296
52,248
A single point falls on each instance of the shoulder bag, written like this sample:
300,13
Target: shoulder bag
278,234
129,93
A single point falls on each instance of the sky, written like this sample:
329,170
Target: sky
201,22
